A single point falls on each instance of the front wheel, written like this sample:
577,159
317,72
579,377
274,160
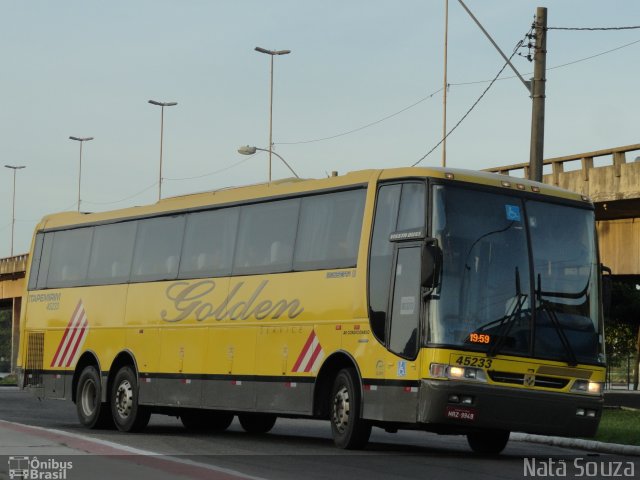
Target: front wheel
257,422
348,429
127,414
490,442
92,413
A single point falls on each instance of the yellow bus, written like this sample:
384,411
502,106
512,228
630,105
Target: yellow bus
444,300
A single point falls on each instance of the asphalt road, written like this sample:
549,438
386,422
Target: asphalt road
303,449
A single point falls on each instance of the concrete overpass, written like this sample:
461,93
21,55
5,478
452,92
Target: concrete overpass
12,272
604,175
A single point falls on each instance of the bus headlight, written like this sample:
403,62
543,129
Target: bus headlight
441,370
584,386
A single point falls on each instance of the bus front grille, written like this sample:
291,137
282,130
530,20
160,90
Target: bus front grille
519,379
33,366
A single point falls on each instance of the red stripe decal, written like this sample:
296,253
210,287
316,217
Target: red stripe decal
312,360
312,336
66,332
71,341
78,341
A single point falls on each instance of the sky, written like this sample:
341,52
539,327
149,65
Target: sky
87,68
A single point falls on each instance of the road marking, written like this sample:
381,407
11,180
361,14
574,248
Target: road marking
158,461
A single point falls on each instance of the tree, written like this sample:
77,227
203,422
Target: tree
623,325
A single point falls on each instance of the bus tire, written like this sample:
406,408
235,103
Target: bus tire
489,442
349,430
127,414
205,420
257,422
92,413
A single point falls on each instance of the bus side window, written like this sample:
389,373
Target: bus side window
111,253
262,226
158,244
209,243
69,257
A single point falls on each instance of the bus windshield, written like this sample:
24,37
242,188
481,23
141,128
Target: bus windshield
519,277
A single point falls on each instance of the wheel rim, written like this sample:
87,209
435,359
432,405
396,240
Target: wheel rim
88,398
124,399
341,408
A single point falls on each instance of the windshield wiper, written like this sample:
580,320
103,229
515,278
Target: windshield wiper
507,321
545,305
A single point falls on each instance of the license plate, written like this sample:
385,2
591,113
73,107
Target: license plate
461,413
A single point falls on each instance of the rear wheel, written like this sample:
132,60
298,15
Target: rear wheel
490,442
127,414
205,420
92,413
257,422
349,430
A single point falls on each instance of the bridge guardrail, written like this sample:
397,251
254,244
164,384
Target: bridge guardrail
12,266
557,164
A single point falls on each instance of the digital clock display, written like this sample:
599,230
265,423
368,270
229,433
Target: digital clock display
479,338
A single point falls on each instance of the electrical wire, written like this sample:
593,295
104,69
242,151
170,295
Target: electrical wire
593,29
474,82
515,50
123,199
364,126
166,178
551,68
229,167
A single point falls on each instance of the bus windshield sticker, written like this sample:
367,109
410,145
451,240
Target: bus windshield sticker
513,213
407,305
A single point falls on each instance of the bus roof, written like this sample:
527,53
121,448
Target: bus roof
289,186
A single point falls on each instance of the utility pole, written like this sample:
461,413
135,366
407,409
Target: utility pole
536,153
444,87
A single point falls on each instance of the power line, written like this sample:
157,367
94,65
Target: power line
211,173
364,126
173,179
593,29
125,198
475,82
515,50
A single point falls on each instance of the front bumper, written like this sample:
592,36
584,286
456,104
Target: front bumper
519,410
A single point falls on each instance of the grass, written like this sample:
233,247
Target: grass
619,426
8,380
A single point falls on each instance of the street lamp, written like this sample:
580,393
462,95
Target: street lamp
272,53
248,150
13,207
81,140
162,105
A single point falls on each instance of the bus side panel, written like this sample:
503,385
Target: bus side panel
229,367
76,320
183,351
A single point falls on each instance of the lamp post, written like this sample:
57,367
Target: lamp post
162,105
272,53
81,140
248,150
13,206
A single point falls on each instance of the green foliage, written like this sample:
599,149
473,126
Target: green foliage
620,341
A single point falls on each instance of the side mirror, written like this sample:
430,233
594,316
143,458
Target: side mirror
607,288
431,264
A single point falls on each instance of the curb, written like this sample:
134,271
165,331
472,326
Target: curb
580,443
